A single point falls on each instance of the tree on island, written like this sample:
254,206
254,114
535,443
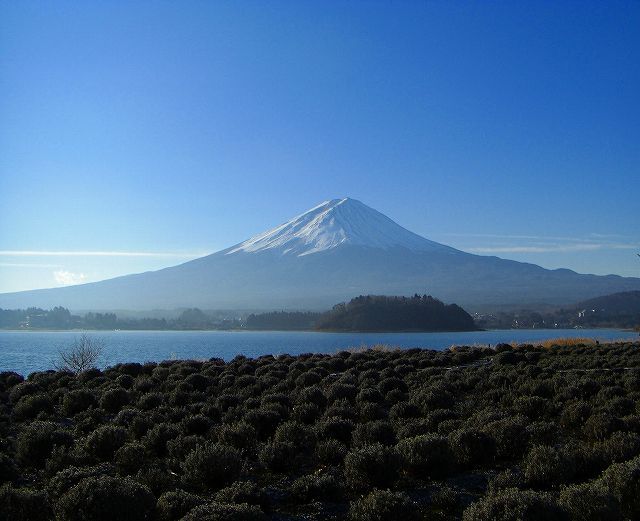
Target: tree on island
383,313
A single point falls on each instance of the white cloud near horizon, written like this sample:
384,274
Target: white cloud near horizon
593,237
48,253
545,244
27,265
67,278
543,249
549,248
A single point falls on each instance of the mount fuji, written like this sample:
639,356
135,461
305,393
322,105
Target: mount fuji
331,253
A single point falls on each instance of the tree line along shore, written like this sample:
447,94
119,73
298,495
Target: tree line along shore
363,313
515,432
417,313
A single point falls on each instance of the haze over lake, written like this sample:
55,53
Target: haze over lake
29,351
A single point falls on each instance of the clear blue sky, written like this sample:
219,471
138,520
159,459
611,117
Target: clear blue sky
180,128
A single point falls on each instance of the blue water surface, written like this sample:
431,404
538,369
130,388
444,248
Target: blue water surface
28,351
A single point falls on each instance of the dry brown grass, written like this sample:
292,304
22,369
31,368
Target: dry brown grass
566,342
475,345
376,347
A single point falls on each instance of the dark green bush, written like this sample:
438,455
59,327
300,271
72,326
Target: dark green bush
447,499
373,432
241,435
515,505
340,391
621,446
313,395
125,381
403,410
197,381
105,441
371,466
368,412
130,458
549,466
587,502
297,433
506,357
369,396
23,389
510,435
278,456
78,401
106,498
156,438
115,399
150,401
212,466
600,426
533,407
426,455
220,512
243,492
62,481
330,452
383,505
196,424
574,415
620,406
471,447
36,441
508,478
308,379
174,505
8,469
179,447
129,369
9,379
541,433
431,399
264,421
157,478
622,480
321,486
23,504
306,413
336,429
30,406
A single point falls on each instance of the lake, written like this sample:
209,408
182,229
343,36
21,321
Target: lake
28,351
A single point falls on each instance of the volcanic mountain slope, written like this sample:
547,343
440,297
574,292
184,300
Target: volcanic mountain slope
337,250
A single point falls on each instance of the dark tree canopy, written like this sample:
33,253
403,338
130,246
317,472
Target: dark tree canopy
382,313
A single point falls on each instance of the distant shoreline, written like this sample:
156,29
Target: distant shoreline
374,331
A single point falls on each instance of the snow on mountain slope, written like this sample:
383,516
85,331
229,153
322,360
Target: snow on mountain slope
334,223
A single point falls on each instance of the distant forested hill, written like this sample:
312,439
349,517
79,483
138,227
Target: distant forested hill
616,310
382,313
625,303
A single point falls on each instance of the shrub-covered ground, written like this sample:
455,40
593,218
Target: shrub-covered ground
475,434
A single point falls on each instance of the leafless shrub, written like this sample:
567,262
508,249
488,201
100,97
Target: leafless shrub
81,355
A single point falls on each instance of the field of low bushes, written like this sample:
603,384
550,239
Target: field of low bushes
511,433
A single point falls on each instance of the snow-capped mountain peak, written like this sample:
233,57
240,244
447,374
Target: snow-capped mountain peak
332,224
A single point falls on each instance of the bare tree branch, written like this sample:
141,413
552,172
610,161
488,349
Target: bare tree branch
81,355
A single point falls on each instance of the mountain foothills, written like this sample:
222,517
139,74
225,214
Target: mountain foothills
336,250
617,310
